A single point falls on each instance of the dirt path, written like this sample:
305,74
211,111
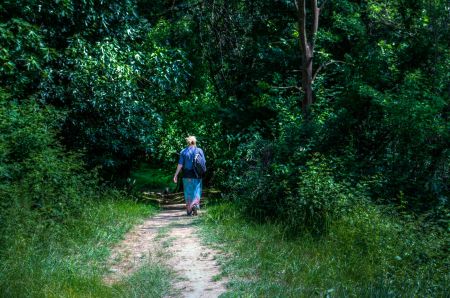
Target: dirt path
169,237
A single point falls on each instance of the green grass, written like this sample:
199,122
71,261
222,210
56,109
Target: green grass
68,260
363,256
146,177
150,281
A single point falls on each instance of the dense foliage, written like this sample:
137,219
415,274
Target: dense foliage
93,86
381,111
36,173
100,63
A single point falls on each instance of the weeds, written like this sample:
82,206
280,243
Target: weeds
363,255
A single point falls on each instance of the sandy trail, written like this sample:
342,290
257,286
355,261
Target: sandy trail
169,237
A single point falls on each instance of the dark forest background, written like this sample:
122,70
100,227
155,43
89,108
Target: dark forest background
90,90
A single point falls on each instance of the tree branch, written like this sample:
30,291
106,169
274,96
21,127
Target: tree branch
315,23
323,4
301,9
324,66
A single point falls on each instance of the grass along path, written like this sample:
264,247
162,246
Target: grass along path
169,238
69,260
360,257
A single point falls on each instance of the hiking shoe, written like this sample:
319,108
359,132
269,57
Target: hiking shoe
194,210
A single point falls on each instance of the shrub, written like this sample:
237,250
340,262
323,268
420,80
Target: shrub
268,186
38,179
252,184
319,199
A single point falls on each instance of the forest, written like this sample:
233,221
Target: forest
325,126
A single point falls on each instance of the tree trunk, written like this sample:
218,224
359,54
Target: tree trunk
307,76
307,38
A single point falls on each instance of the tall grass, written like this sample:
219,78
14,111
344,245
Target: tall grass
366,254
68,259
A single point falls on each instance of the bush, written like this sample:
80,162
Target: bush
38,179
320,199
251,182
304,198
400,136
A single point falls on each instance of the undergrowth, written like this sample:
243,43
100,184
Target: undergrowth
146,177
367,253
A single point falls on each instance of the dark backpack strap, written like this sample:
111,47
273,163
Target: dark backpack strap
193,162
193,157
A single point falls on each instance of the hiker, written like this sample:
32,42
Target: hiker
192,176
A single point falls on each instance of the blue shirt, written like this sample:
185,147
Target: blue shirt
187,158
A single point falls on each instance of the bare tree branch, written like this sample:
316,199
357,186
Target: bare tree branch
324,66
323,4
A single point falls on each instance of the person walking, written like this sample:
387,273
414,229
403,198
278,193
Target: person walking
192,181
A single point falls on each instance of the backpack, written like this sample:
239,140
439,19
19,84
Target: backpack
199,164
